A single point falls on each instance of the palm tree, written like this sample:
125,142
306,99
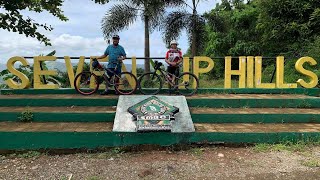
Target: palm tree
193,23
122,15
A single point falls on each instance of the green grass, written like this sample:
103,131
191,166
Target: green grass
300,146
312,163
27,155
94,178
114,152
197,151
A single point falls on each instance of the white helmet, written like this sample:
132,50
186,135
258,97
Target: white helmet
173,42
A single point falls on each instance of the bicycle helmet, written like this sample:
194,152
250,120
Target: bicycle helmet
95,64
115,36
173,42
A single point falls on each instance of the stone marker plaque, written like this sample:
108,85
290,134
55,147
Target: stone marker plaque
153,113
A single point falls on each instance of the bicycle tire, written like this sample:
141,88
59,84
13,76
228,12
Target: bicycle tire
124,82
183,89
84,76
153,78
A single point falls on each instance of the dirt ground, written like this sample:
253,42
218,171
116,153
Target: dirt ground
192,163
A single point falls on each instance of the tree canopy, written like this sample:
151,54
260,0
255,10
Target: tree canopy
13,21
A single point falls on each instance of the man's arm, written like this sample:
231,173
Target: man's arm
124,55
101,57
106,53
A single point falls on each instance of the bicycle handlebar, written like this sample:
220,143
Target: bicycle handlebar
96,64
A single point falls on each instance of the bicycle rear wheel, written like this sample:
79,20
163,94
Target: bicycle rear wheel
84,85
187,84
150,84
126,84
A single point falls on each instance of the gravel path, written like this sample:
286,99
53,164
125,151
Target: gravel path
194,163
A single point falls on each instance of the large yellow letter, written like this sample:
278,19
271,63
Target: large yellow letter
24,79
70,68
241,72
280,72
312,76
258,67
37,72
250,76
186,64
197,70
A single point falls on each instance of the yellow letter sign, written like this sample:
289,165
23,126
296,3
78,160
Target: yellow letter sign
241,72
24,79
280,72
197,70
312,76
37,72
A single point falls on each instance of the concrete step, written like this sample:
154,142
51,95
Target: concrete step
311,92
200,127
199,115
30,136
209,101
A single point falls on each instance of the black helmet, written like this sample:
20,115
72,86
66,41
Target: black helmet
115,36
95,63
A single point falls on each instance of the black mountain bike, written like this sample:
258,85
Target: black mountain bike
87,83
151,83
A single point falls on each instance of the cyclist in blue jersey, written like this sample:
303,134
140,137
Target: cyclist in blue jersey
116,55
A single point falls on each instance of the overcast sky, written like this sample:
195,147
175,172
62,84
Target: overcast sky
82,35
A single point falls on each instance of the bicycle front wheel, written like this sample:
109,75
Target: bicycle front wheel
86,83
126,83
150,84
187,84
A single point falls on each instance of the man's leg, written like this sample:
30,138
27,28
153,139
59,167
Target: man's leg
110,74
116,80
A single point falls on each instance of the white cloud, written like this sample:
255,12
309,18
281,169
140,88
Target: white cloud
82,36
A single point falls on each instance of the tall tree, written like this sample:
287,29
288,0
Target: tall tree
122,15
193,23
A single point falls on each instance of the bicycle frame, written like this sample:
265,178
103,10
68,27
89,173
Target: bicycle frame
165,75
104,74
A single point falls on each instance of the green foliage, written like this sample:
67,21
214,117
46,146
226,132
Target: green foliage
288,25
12,20
231,30
194,23
264,28
122,15
26,116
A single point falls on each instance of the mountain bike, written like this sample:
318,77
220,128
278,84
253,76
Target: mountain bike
87,83
151,83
